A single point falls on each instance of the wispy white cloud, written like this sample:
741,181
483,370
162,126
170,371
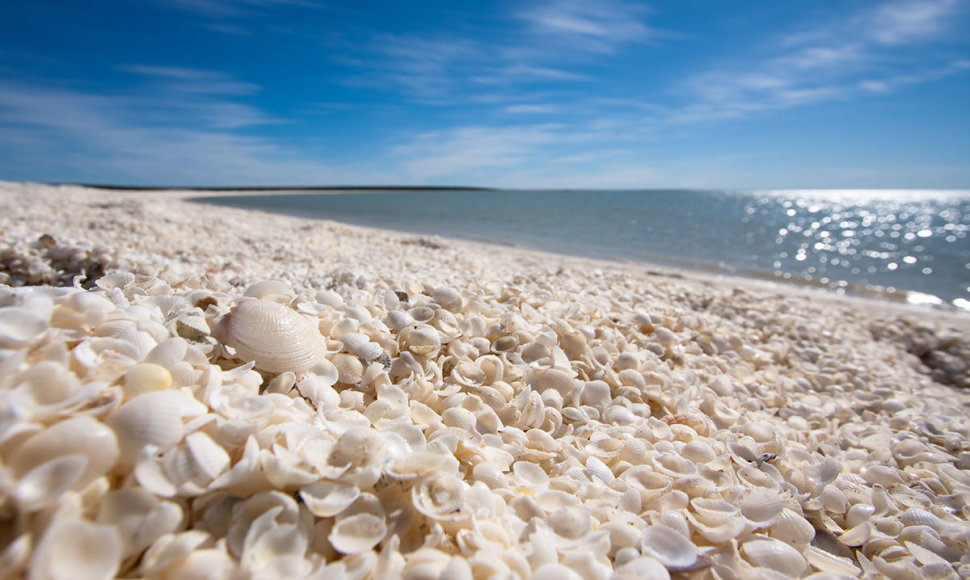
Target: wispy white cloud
595,25
533,109
71,135
460,150
863,53
907,21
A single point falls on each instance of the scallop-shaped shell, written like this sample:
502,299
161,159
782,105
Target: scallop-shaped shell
439,496
447,297
793,529
398,319
357,533
149,419
774,554
277,338
349,368
459,418
669,546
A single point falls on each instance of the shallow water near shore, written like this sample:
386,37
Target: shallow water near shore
893,242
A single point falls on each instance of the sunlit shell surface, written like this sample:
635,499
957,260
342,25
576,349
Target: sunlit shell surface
277,338
321,401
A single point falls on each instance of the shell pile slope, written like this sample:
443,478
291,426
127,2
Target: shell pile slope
192,392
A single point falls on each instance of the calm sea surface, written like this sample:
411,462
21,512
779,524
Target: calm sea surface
906,243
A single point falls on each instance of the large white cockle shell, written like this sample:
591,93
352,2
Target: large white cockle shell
275,337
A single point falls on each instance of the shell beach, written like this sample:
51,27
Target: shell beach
198,392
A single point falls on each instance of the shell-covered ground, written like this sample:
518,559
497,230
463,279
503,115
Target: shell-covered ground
198,392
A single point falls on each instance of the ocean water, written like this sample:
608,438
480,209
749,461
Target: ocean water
906,244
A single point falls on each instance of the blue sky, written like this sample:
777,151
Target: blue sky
534,94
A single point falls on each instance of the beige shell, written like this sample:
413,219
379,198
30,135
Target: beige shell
149,419
669,546
79,550
80,436
775,555
275,337
439,496
423,340
357,533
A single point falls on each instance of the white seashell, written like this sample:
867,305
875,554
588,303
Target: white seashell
858,514
570,523
77,550
668,546
423,340
774,554
762,507
447,297
648,482
640,568
149,419
45,483
420,464
139,516
267,289
713,511
439,496
318,387
79,435
674,465
599,470
357,533
20,326
596,394
856,536
327,499
46,390
422,314
793,529
504,344
459,418
349,368
880,474
277,338
198,462
830,563
398,319
169,352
